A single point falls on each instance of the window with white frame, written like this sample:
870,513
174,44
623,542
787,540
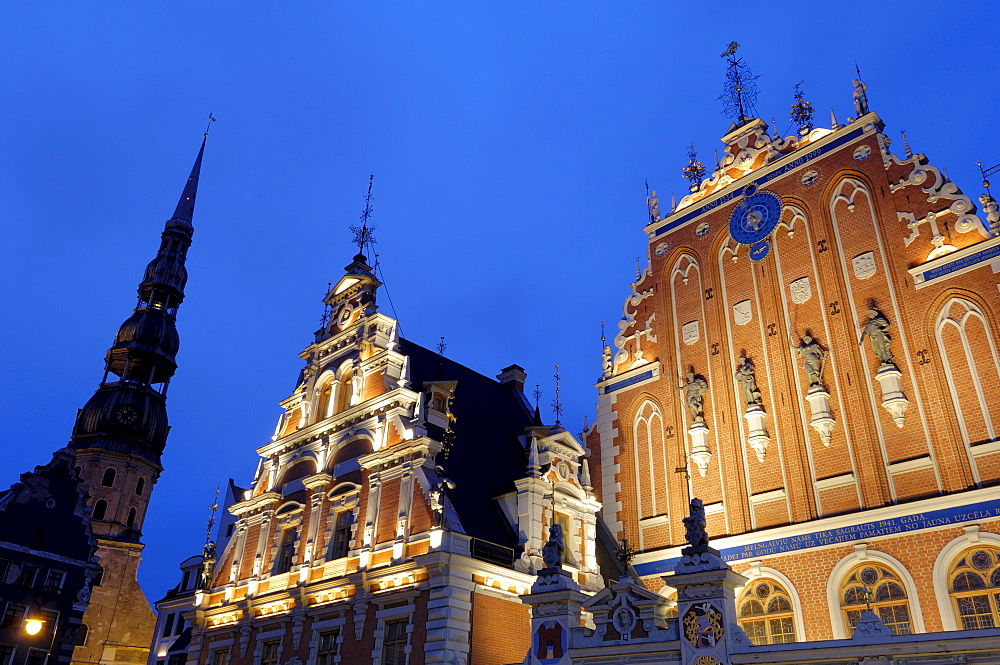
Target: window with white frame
974,587
875,587
394,639
765,613
269,652
326,647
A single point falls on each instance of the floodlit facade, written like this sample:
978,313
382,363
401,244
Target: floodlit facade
812,351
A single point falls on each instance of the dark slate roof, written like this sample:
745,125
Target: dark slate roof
487,457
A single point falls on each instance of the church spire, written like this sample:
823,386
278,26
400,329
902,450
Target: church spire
128,411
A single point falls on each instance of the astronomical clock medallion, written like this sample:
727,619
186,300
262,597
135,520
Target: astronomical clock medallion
755,217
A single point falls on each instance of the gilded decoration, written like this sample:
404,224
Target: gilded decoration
703,625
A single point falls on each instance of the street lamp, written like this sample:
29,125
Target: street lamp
33,626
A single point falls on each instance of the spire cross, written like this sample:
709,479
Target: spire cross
441,346
537,394
557,407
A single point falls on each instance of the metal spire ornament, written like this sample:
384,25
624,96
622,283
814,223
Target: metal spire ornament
537,394
694,171
740,91
557,407
802,111
906,145
364,235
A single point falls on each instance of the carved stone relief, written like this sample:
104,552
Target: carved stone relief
690,332
864,265
742,312
801,290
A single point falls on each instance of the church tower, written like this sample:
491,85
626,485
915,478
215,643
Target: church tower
119,436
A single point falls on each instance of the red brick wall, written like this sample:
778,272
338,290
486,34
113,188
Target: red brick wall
501,630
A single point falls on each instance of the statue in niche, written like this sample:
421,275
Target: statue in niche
552,551
748,381
813,359
694,395
694,525
860,97
876,329
437,494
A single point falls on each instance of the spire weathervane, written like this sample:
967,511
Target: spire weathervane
537,394
211,119
364,235
740,92
441,346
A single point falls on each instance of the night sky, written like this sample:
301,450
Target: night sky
509,143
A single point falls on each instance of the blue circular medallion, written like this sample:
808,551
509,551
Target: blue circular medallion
760,250
755,217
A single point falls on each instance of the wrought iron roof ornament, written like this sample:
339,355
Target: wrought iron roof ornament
364,235
557,407
740,91
802,111
694,171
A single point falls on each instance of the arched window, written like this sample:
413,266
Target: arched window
100,509
344,391
109,477
875,587
765,613
140,485
286,552
130,522
323,400
974,587
650,461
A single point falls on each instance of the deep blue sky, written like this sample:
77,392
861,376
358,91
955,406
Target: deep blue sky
509,144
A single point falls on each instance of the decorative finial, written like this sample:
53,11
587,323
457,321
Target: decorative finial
212,510
603,339
673,202
653,204
537,394
557,407
774,130
833,120
740,91
624,553
323,320
441,346
211,119
638,270
802,111
718,165
364,236
693,171
906,145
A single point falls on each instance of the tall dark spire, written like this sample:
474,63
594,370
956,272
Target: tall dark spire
127,414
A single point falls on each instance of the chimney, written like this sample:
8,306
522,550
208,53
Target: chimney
513,377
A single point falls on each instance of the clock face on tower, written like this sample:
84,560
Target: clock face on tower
126,414
755,217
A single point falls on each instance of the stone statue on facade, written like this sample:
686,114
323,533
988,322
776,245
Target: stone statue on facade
748,381
860,97
876,329
607,363
813,359
694,395
694,525
653,202
437,494
553,550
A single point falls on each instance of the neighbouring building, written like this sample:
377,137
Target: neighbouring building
397,515
47,564
812,350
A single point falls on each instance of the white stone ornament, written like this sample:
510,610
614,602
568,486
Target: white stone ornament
690,332
864,265
700,454
757,436
742,312
662,248
893,399
822,418
862,152
809,177
801,290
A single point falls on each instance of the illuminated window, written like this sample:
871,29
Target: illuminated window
766,613
323,401
269,653
974,585
874,586
109,477
326,650
341,542
344,391
286,552
100,509
394,642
